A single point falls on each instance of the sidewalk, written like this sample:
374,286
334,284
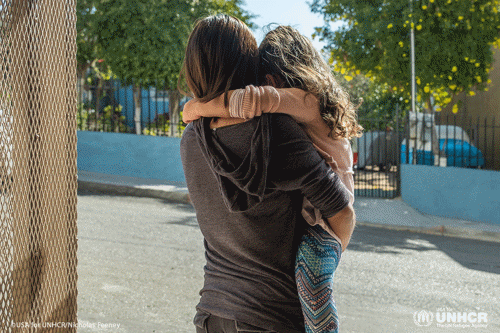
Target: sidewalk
384,213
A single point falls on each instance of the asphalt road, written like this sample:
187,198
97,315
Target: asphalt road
140,269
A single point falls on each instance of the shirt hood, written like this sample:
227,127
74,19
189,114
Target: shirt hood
242,181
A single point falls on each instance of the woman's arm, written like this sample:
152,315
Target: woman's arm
296,165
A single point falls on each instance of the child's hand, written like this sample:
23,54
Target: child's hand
194,109
189,112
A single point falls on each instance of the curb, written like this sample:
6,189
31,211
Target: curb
137,191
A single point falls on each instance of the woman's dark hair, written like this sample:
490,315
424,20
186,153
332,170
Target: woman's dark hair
221,55
286,54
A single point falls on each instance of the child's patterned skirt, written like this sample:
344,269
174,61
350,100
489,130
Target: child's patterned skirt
317,259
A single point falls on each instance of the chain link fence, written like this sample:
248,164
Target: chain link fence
38,233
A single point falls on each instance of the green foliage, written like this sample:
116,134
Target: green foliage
161,126
110,120
85,38
378,105
100,72
144,41
233,8
453,42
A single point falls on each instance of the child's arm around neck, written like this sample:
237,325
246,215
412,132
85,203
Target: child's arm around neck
194,109
253,101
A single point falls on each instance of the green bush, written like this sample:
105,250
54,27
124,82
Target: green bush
109,120
161,126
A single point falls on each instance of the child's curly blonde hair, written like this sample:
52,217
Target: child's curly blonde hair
286,54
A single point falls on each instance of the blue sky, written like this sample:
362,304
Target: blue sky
296,13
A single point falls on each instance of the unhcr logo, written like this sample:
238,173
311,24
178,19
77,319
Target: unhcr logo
423,318
447,318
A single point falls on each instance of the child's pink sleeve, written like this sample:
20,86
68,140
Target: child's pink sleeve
341,153
243,103
253,101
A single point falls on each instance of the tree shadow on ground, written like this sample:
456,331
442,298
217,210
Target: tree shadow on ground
472,254
188,222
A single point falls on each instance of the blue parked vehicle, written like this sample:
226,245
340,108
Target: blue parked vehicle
454,144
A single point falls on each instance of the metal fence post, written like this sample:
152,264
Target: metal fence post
398,154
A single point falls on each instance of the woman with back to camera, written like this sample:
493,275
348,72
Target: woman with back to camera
247,181
288,59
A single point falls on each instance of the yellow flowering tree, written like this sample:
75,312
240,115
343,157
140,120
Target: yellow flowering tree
454,42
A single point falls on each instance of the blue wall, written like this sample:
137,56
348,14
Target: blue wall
130,155
467,194
451,192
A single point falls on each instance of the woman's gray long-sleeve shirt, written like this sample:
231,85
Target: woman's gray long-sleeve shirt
247,183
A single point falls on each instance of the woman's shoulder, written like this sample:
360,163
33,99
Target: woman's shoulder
284,123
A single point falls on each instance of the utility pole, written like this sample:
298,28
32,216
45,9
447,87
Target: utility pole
412,54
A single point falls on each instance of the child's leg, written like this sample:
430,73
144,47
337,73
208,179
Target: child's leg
317,259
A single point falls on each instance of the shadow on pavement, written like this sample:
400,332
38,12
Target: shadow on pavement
189,222
472,254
